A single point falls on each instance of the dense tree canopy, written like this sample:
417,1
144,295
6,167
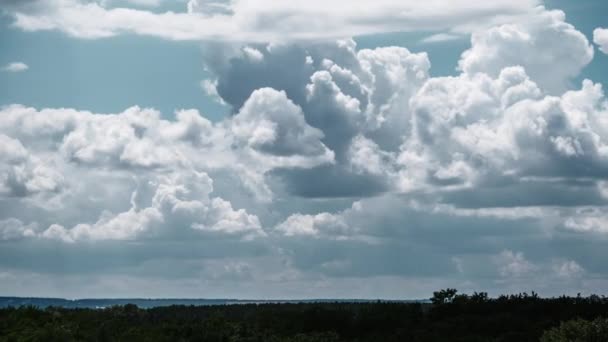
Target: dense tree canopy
450,317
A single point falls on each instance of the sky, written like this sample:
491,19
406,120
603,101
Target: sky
263,149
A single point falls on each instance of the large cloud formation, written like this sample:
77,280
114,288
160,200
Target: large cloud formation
336,165
261,20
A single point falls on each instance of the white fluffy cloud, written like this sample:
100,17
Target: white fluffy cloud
368,118
385,118
263,20
22,174
469,131
270,123
320,225
169,160
600,37
348,123
178,201
551,50
16,67
504,120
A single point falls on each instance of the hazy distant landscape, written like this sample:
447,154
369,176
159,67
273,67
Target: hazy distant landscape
102,303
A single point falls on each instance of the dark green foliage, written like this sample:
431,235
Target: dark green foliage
578,330
452,317
443,296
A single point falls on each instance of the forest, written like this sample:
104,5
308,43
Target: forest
448,316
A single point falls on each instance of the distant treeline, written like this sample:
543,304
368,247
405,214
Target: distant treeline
145,303
449,317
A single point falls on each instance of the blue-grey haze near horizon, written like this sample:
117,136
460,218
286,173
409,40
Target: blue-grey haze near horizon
101,303
220,150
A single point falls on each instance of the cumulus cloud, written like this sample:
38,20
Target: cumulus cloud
261,20
504,122
14,229
124,226
333,162
362,122
588,219
568,269
551,50
342,93
41,149
513,264
179,201
270,123
600,37
16,67
475,137
323,224
506,248
22,174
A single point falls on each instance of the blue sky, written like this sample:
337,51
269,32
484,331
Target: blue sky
262,149
104,75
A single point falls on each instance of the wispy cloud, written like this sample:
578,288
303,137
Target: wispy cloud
441,37
16,67
265,20
141,3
